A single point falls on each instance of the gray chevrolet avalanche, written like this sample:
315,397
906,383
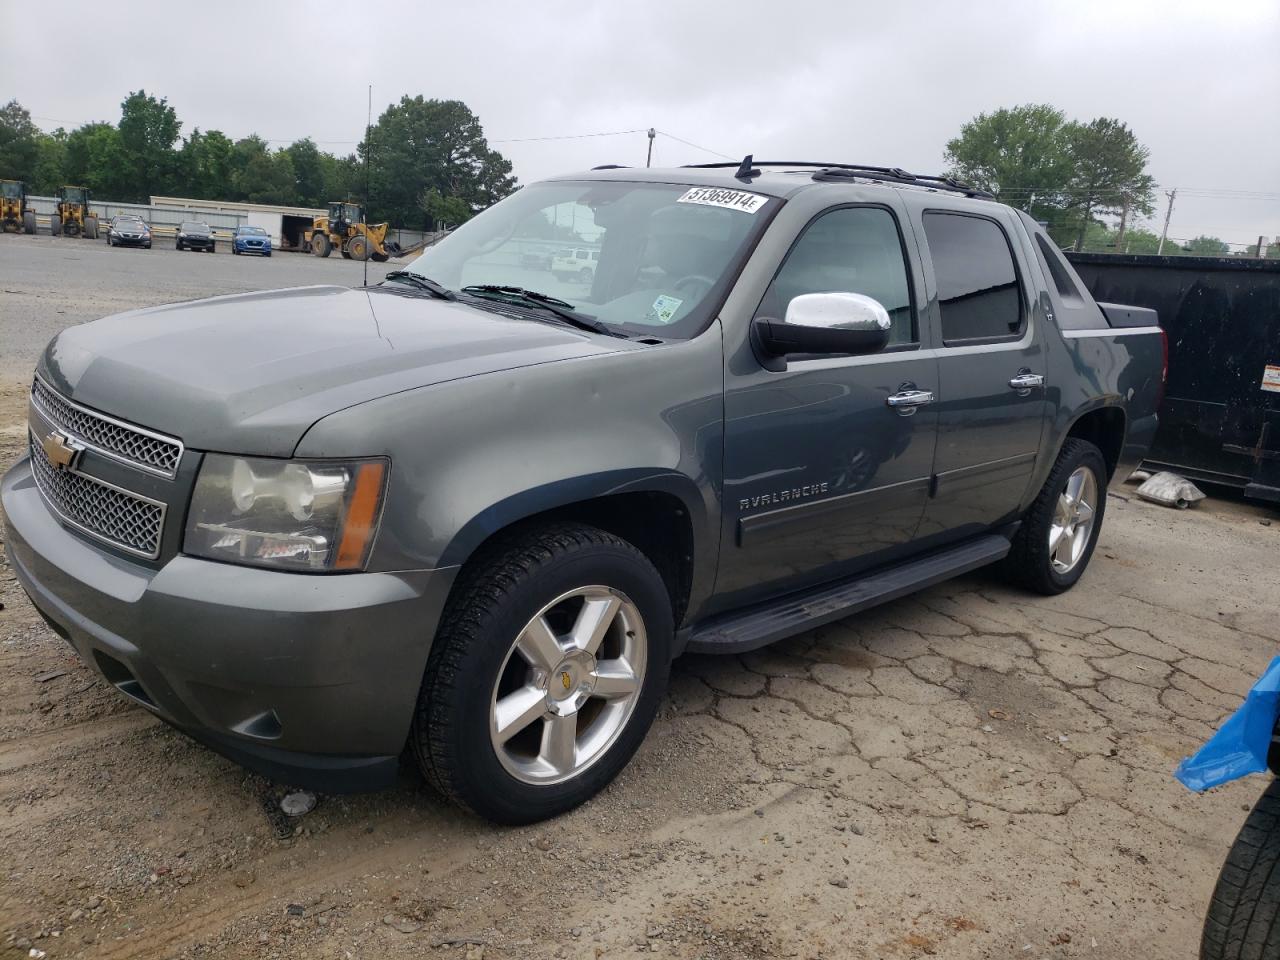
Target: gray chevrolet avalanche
474,511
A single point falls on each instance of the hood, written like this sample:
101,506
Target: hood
250,373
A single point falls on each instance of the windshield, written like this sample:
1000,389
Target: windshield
253,231
11,190
191,226
651,257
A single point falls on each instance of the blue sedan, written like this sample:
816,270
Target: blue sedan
251,240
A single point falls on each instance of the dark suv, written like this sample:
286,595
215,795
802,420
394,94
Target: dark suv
475,510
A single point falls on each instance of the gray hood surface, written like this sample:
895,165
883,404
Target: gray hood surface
250,373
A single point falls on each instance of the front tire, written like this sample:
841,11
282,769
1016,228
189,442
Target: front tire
1053,545
1244,915
501,728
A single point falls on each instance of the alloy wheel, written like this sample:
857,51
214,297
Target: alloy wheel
569,685
1073,518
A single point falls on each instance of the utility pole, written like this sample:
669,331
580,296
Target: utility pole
649,159
1262,247
1171,194
1124,223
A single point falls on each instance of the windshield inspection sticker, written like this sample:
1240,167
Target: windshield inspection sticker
1271,378
663,309
729,199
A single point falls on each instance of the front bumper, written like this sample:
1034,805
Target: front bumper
311,680
120,241
197,243
246,248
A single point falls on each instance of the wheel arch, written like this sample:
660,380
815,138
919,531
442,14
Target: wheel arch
1105,427
658,513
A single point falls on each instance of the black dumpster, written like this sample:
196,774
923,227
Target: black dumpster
1220,419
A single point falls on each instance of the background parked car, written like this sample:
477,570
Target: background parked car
577,264
194,235
248,239
128,230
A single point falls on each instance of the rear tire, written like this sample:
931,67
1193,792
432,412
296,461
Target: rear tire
1243,920
520,581
28,223
55,226
91,228
1053,546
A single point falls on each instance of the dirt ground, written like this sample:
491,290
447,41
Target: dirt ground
972,772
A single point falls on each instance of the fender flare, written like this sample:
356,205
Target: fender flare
574,490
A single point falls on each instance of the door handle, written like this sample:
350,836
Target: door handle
1024,382
906,401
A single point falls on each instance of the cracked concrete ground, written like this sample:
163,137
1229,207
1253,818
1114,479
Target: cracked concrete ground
971,772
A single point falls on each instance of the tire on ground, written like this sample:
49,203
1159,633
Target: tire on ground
320,244
358,247
499,592
55,226
91,228
28,222
1243,920
1029,562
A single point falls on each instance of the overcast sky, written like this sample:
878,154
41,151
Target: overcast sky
885,84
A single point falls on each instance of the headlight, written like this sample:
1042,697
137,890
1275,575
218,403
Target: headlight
315,515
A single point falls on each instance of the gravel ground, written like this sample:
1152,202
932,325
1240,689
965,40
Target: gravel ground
972,772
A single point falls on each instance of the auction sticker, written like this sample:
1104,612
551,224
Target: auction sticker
729,199
663,310
1271,377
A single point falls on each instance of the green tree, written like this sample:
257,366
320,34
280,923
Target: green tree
420,145
1017,153
262,176
1207,247
206,164
445,211
51,162
19,142
149,128
308,171
95,157
1108,174
1138,240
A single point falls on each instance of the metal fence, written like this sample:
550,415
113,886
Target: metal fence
157,216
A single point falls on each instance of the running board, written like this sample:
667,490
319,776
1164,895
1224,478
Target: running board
766,623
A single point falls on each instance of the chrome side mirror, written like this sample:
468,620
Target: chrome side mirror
825,323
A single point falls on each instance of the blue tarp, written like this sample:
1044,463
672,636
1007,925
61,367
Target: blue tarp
1240,746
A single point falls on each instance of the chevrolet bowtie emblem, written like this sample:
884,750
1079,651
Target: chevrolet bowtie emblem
61,452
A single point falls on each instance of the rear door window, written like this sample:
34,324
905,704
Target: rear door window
979,296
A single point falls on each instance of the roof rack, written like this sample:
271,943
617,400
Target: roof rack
840,171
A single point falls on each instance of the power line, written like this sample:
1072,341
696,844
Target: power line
569,136
687,143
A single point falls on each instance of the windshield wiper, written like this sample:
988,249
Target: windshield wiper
560,308
422,283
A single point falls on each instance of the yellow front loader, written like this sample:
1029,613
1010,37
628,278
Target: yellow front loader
73,217
15,215
344,229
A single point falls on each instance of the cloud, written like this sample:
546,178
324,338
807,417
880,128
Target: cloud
874,83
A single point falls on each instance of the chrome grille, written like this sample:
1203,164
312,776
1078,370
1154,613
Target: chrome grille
115,516
117,439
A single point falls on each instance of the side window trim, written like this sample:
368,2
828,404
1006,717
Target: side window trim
1023,312
915,342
